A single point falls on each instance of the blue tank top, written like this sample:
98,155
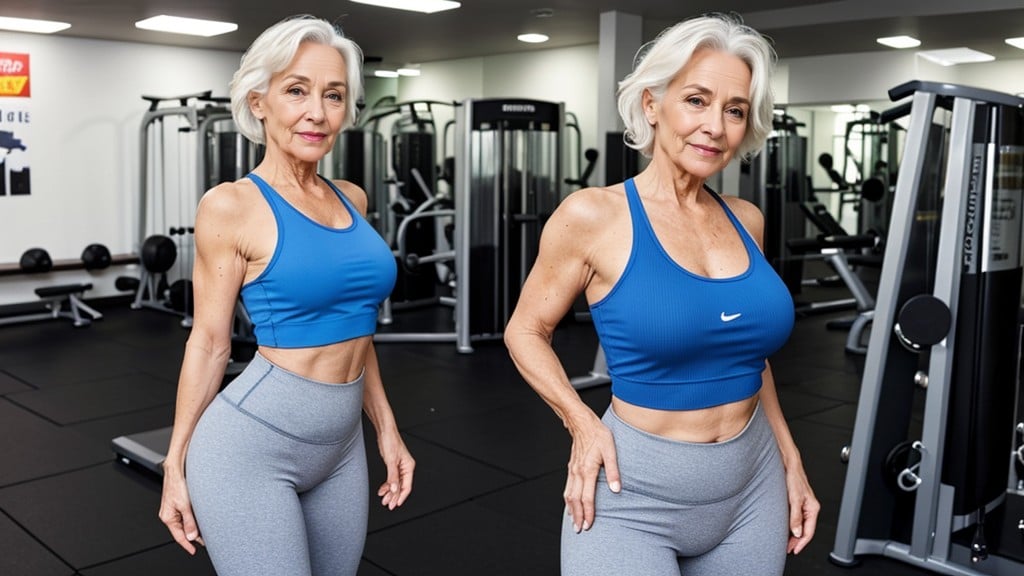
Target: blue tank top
322,285
678,341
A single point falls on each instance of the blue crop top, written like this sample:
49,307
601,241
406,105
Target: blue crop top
322,285
678,341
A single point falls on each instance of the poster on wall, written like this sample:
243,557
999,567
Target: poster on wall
15,90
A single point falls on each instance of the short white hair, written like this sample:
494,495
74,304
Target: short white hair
660,60
273,51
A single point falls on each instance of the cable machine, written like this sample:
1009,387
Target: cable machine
507,182
925,490
778,185
184,149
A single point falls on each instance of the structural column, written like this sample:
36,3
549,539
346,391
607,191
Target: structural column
621,35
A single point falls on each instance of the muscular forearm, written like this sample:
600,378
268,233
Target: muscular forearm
202,372
539,365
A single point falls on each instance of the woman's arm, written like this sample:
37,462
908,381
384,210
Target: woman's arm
803,505
217,275
396,456
559,274
399,462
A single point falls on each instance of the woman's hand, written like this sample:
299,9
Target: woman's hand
400,465
803,509
176,512
592,447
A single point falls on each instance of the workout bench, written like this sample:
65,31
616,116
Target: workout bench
54,298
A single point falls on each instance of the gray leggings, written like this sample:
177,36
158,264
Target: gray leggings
276,471
717,509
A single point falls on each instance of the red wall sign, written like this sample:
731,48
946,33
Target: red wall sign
14,76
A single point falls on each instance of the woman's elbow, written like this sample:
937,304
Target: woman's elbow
511,335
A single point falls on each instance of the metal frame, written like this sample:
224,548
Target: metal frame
200,121
469,148
930,545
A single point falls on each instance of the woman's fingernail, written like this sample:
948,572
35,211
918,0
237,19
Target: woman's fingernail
191,536
575,527
586,525
615,486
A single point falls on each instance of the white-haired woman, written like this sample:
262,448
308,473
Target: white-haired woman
692,468
271,474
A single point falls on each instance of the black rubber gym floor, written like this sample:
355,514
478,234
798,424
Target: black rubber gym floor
491,455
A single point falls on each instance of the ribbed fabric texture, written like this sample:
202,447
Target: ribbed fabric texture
678,341
322,285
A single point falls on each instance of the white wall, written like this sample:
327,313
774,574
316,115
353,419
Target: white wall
86,110
852,78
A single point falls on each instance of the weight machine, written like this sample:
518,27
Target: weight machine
946,332
187,144
507,182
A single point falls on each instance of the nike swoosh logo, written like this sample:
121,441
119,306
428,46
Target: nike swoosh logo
730,317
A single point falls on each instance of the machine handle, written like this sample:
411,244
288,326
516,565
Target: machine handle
908,480
1019,452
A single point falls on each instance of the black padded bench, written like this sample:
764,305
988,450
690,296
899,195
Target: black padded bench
62,300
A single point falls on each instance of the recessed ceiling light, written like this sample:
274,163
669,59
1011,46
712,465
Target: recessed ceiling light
843,108
533,38
408,71
385,74
1016,42
425,6
899,42
190,26
30,25
951,56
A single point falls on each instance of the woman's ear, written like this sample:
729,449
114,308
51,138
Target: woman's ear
650,107
256,105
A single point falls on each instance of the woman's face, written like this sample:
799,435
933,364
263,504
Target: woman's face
702,117
305,104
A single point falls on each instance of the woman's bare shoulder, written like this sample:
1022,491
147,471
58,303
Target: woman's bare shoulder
229,203
745,210
591,207
748,214
355,194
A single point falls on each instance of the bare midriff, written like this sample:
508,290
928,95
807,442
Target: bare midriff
338,363
706,425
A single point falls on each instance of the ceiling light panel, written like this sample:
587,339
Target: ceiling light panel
189,26
899,41
425,6
30,25
1016,42
533,38
953,56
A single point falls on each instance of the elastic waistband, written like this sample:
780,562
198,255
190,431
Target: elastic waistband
690,472
296,406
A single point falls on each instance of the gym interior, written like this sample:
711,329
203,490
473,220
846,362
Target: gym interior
891,186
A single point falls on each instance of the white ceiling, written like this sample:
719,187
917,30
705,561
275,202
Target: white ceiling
484,27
